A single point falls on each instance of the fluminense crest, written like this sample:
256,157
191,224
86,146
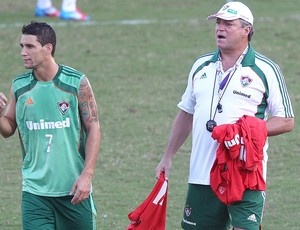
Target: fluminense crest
63,107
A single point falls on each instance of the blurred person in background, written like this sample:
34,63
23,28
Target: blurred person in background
69,10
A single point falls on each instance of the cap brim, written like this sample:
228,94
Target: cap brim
211,17
222,16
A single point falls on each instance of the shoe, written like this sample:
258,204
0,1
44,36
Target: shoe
74,15
48,12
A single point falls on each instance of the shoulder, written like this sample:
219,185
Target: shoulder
70,71
23,82
265,63
206,58
23,78
70,75
68,79
203,61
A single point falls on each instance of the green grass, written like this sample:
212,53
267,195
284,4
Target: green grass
138,73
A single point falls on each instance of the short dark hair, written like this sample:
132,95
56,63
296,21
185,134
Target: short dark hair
244,24
43,31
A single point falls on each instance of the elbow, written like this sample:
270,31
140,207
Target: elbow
290,125
6,134
276,126
94,131
7,127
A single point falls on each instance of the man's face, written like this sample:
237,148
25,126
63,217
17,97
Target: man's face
32,52
230,34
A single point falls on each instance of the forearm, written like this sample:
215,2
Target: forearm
181,129
7,128
91,151
279,125
82,187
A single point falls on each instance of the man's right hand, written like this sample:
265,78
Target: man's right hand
163,166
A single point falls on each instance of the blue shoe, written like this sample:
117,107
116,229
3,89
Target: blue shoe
76,15
48,12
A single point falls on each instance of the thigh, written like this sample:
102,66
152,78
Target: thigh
203,210
74,217
248,213
37,213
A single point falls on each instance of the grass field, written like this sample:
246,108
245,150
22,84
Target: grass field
137,55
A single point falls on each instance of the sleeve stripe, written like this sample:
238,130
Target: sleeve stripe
281,82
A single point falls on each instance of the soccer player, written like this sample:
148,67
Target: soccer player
69,11
224,86
54,109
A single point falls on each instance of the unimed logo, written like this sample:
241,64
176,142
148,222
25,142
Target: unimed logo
42,124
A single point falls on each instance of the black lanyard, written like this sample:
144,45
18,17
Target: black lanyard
211,123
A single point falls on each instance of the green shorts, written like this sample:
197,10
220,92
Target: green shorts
203,210
57,213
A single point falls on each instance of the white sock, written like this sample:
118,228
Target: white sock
44,4
68,5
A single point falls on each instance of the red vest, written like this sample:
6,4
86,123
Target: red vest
151,214
238,164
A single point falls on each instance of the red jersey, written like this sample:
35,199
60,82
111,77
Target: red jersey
238,164
151,214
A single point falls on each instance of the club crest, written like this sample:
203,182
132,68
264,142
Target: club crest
246,81
63,107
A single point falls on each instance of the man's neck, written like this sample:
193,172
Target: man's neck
229,58
47,72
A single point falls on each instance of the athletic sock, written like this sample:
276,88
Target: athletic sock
44,4
68,5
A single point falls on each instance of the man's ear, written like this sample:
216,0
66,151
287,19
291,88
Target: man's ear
247,30
48,47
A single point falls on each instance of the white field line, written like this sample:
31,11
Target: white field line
137,22
132,22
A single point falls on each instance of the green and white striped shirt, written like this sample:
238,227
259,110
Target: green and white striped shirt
256,87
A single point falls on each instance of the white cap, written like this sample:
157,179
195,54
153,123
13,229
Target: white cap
232,11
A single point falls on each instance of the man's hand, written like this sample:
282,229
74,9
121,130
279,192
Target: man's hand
81,189
164,166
